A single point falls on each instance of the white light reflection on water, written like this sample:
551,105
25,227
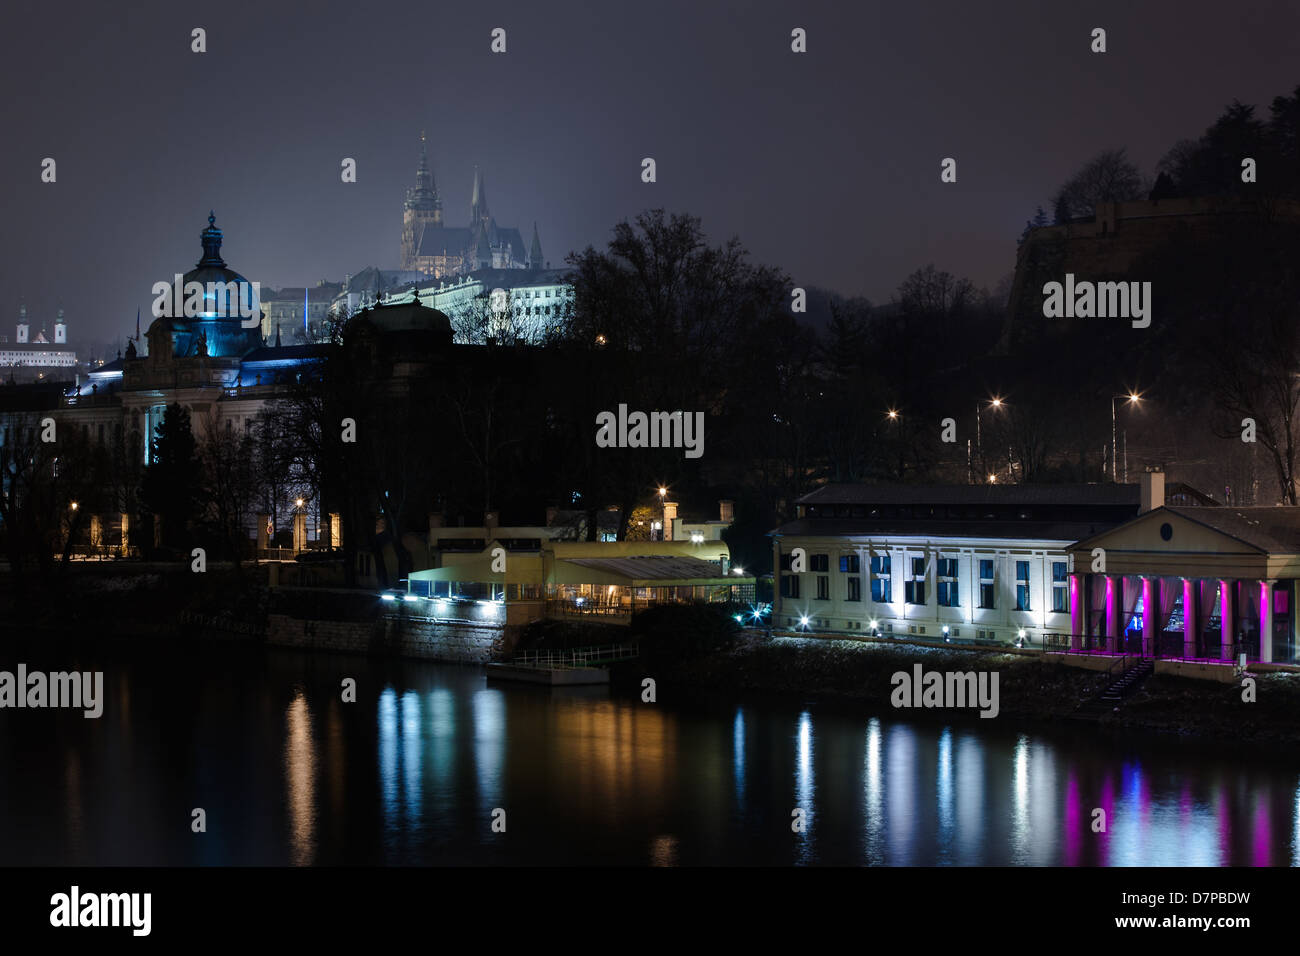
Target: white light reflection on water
944,793
873,801
805,790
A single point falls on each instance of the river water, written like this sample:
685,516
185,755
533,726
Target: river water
417,770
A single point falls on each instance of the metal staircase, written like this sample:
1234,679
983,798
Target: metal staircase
1131,674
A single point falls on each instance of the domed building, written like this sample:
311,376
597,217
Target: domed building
218,330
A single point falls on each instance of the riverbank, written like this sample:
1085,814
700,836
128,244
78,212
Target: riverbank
1031,688
684,651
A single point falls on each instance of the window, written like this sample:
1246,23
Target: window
819,562
915,588
946,572
823,587
790,585
1060,588
855,589
880,578
850,564
987,597
1022,586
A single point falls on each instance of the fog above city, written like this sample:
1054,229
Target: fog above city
824,164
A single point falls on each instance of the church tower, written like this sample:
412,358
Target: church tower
60,330
421,210
23,326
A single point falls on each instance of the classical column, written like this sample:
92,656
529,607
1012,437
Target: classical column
1227,625
1076,610
1150,615
1189,617
1266,621
1114,598
126,534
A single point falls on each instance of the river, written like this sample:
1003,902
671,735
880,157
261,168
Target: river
429,757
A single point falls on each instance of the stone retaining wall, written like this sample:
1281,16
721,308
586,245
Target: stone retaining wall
460,642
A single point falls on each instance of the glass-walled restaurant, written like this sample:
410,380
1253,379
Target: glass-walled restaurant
1208,584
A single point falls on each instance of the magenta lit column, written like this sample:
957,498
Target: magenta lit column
1189,617
1150,614
1226,623
1114,599
1076,610
1266,622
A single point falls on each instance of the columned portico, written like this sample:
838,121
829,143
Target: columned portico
1196,563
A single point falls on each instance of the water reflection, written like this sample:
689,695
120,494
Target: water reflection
300,780
412,773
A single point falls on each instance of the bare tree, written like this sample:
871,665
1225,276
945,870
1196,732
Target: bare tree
1107,177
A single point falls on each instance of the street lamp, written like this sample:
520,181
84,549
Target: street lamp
979,439
663,510
1132,398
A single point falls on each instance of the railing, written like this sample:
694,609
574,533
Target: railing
578,656
1168,646
1055,643
277,554
591,609
1120,667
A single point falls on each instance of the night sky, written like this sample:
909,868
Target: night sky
825,164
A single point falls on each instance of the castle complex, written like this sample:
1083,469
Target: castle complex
431,247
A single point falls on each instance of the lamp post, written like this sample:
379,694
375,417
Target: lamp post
893,416
663,511
979,440
1133,398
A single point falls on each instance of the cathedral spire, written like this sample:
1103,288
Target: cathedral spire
535,251
478,209
423,196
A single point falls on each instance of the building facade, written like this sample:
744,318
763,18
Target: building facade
982,563
36,357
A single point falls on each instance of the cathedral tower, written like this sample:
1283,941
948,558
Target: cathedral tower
422,209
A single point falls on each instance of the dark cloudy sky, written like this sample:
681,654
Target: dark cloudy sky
825,164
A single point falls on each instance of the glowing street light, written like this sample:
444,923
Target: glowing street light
1132,398
73,506
995,403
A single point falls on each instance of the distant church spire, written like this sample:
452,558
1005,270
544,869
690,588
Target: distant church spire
423,198
478,209
535,251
